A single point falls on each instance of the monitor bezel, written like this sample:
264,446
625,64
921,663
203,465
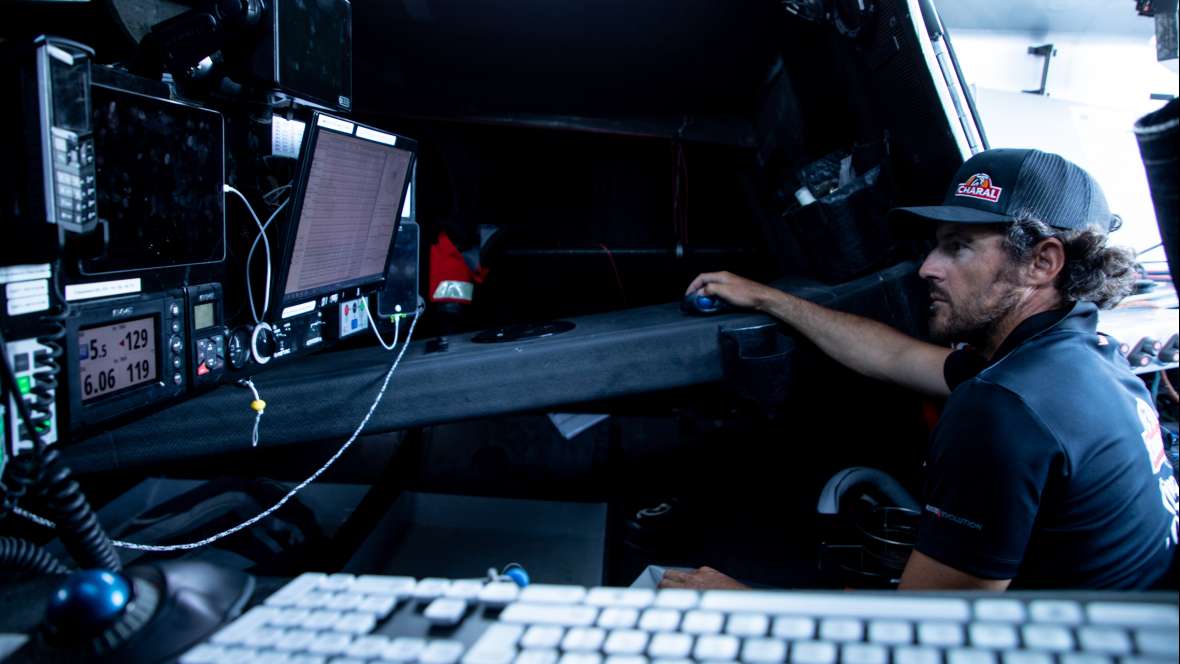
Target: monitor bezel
279,286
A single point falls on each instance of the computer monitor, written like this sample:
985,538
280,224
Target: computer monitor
160,172
347,202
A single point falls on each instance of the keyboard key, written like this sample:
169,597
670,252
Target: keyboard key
544,637
441,652
670,645
702,622
837,605
841,629
537,657
1055,611
910,655
580,658
659,620
305,658
295,640
892,632
862,653
796,629
356,623
204,654
330,643
314,599
583,639
764,650
498,637
1157,642
400,587
1146,660
263,637
625,642
430,588
999,636
290,593
445,611
550,614
638,598
466,589
289,617
625,659
970,656
499,593
813,652
1048,637
1104,640
489,656
239,656
1082,658
378,605
337,582
747,624
317,620
999,610
272,657
404,649
677,598
716,647
540,593
345,601
1026,657
368,647
1133,615
618,618
942,634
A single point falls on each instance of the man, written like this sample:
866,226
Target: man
1047,465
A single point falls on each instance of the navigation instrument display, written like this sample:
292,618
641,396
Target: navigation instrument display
116,357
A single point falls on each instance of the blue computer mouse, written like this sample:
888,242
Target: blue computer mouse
703,305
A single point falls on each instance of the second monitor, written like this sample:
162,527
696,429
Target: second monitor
346,205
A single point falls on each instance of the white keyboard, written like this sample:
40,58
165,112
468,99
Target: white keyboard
345,619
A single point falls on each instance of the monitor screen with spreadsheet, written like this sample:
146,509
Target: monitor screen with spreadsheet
347,201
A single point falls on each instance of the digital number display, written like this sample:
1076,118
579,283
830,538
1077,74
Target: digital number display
116,357
203,316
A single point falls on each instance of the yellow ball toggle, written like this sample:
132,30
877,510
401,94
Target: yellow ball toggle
258,405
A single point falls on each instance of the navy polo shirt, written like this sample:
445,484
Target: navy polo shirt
1047,465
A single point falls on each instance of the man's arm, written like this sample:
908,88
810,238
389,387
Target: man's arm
925,573
861,344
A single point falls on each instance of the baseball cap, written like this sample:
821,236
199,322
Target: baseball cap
998,186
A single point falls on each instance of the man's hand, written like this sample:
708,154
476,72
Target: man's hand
738,291
705,578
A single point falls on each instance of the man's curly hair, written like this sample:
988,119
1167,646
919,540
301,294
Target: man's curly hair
1093,271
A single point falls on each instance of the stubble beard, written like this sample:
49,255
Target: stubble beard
975,323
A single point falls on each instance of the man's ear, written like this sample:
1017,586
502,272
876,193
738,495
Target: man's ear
1047,261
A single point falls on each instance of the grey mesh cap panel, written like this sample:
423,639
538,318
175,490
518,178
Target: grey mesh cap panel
1001,185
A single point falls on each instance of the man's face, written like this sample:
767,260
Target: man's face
972,283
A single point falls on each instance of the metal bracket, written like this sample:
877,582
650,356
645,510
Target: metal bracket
1046,51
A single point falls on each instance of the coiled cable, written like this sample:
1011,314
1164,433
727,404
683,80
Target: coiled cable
19,556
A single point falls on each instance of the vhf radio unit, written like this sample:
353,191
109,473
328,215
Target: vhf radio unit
207,334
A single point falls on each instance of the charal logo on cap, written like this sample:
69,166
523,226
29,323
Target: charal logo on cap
980,186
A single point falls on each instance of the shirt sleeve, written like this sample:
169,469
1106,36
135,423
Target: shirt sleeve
989,461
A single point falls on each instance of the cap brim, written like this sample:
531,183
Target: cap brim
948,213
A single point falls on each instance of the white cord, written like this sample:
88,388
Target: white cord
282,501
266,250
254,336
259,407
377,333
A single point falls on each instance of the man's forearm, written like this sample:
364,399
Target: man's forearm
861,344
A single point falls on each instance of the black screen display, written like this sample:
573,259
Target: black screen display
315,49
160,168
